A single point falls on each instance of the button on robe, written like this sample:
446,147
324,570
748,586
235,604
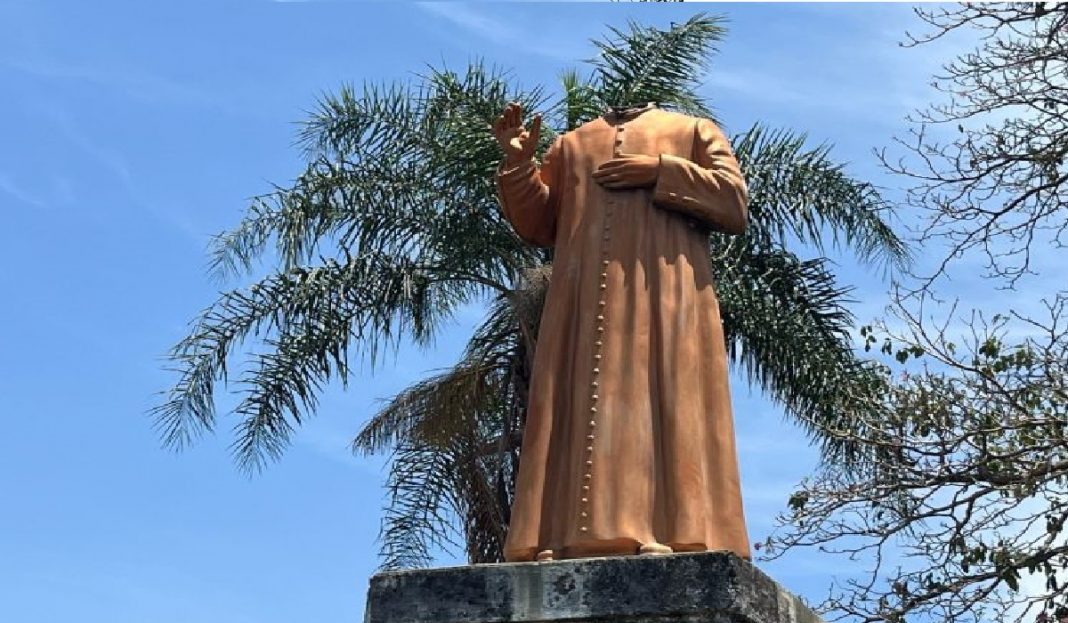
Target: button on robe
629,435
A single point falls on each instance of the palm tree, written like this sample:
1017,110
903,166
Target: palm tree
394,224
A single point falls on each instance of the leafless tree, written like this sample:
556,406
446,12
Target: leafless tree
960,513
1000,186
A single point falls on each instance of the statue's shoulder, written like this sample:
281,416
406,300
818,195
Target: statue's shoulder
676,114
597,124
681,118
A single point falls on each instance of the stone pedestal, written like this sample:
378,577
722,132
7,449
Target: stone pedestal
713,587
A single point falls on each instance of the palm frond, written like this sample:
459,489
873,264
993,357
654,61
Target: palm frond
417,518
581,102
467,413
376,118
352,145
400,182
482,499
647,64
384,167
435,409
309,319
798,191
786,323
438,493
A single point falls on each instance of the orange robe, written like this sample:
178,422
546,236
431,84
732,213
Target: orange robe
629,436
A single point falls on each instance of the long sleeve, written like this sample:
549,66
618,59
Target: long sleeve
527,197
710,187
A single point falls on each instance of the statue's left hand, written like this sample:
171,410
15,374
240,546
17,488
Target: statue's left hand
628,171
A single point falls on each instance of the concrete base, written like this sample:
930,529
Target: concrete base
713,587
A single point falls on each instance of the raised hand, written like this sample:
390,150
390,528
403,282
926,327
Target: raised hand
628,171
516,141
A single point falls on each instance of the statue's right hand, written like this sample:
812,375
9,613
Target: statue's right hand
517,142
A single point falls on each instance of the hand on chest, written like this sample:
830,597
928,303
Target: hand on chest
627,155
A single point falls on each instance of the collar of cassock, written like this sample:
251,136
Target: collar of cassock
628,112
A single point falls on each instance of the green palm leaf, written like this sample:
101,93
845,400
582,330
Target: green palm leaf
580,103
467,413
400,183
646,64
308,318
786,323
416,520
798,191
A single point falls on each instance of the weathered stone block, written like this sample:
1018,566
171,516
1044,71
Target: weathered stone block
713,587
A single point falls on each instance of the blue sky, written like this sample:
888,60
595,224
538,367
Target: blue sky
130,133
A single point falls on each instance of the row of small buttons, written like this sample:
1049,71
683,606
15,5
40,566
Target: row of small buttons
598,350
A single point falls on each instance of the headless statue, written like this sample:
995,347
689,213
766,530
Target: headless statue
628,446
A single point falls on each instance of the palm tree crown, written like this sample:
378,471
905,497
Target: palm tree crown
394,225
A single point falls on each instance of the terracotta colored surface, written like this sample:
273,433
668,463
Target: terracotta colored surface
629,436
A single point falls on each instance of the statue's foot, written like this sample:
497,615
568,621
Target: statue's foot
655,549
545,554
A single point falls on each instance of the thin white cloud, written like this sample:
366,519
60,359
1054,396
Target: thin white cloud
483,25
131,83
755,84
472,20
117,165
327,440
9,187
863,73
